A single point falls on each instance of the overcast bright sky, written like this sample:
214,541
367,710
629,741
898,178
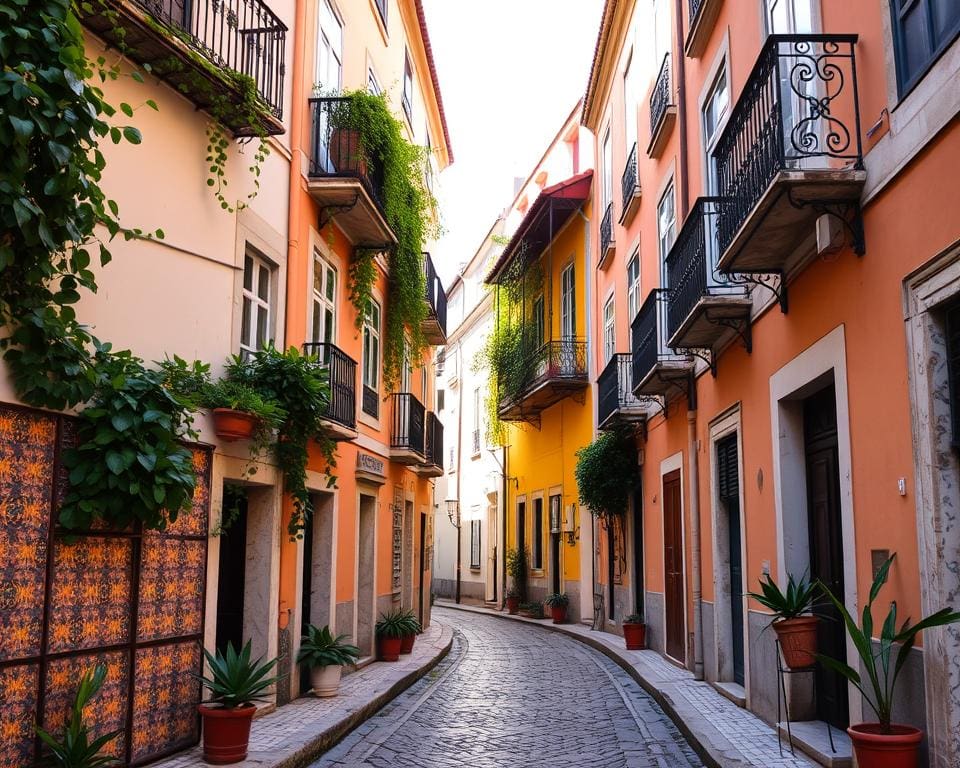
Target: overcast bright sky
510,72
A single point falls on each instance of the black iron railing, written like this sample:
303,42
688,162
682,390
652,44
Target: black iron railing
660,96
382,9
628,182
342,407
241,35
799,110
649,334
695,6
436,297
476,442
692,263
434,438
370,402
554,360
606,230
407,428
615,387
335,148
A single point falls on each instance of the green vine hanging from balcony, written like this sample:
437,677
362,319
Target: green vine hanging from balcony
606,473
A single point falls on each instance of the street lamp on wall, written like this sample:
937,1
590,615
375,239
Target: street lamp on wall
453,515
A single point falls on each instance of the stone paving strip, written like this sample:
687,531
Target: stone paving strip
294,735
722,733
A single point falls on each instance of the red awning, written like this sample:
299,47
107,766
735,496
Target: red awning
546,217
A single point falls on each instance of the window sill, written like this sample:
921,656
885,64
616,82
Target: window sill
371,421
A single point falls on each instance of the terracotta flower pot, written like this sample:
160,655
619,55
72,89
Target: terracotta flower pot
798,640
226,733
233,425
898,749
635,636
388,648
406,643
325,680
558,613
513,605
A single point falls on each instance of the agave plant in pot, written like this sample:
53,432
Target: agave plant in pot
235,683
796,628
325,655
883,744
558,602
634,632
391,628
413,629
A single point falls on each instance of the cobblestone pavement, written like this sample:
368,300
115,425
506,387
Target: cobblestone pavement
515,695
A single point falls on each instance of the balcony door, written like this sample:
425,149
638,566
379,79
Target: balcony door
673,567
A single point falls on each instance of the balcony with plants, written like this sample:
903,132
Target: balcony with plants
663,110
790,153
657,370
435,325
226,56
340,416
616,403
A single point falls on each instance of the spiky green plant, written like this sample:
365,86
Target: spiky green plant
321,648
235,680
797,600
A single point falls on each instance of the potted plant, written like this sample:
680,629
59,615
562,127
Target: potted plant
390,629
517,571
635,632
558,603
239,411
413,629
325,656
74,749
513,601
883,744
795,627
235,683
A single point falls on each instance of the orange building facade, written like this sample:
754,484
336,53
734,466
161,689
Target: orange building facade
776,270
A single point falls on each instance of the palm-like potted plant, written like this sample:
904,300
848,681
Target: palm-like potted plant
883,744
325,655
558,603
235,683
796,628
634,632
391,628
413,629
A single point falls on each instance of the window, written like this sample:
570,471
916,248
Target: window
382,10
474,543
423,383
606,182
440,394
329,49
536,546
714,111
477,407
633,286
609,331
922,30
666,229
408,87
255,318
568,304
406,370
791,17
324,301
538,322
371,358
373,85
629,104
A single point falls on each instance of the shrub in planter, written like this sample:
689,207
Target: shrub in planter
240,412
558,603
883,744
391,628
325,655
513,602
634,632
795,628
532,610
517,571
413,629
235,683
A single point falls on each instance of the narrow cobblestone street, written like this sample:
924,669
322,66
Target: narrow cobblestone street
515,695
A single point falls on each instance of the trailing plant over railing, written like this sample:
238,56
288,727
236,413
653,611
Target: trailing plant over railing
410,210
606,473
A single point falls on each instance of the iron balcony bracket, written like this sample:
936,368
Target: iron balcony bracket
848,213
660,407
706,355
741,327
775,282
329,211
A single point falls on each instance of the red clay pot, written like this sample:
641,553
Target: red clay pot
558,613
388,648
233,425
513,605
406,643
798,640
635,636
226,733
898,749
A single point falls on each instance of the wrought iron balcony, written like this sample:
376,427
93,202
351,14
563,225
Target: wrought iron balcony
432,465
616,403
243,39
341,414
657,369
663,112
407,429
607,244
557,370
630,188
435,326
705,308
703,16
790,152
343,180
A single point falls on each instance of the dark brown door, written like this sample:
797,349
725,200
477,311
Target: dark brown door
826,545
673,566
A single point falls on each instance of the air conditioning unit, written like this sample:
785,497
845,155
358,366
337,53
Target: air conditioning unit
570,519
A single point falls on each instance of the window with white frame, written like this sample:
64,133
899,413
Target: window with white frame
606,171
633,286
666,228
406,369
373,85
371,348
629,104
408,87
713,113
474,543
568,305
609,331
477,408
324,300
329,48
256,313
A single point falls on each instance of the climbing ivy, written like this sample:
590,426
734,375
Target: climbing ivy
606,472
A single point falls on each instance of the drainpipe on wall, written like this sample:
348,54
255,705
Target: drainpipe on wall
296,161
695,567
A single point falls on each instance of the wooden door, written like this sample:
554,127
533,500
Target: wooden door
826,545
673,566
728,492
